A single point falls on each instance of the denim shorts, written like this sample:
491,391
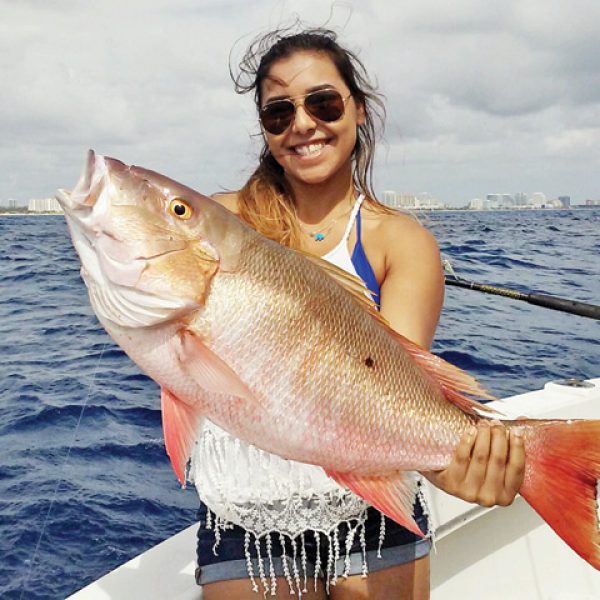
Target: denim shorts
398,546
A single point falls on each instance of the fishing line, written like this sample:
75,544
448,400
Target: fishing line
61,479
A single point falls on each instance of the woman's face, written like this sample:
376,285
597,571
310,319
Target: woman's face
310,151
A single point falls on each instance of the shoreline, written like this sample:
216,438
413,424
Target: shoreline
411,210
32,214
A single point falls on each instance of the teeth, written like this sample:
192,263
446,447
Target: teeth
310,149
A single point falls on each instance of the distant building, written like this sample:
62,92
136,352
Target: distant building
410,201
539,199
508,201
565,201
426,202
406,200
390,199
44,205
500,201
476,204
12,203
520,199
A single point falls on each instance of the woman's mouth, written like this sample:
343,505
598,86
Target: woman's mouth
308,150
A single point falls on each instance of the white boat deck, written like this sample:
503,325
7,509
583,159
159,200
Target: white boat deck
494,554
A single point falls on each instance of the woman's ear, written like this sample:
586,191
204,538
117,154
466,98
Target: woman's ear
360,113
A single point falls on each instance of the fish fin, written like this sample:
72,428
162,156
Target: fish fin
180,427
209,371
455,382
561,481
393,495
351,283
457,385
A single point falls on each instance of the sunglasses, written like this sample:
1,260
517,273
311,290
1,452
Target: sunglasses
324,105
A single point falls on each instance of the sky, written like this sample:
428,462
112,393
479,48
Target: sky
482,96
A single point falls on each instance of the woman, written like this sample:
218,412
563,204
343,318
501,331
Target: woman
311,191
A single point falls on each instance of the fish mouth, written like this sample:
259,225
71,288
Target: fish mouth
85,193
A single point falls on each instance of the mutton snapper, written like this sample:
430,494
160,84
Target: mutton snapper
287,353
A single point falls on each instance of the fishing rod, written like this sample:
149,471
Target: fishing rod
583,309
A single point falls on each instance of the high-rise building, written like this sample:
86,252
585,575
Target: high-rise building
508,201
44,205
501,201
520,198
565,201
476,204
406,200
390,199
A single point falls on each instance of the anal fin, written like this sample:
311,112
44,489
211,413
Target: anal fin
393,495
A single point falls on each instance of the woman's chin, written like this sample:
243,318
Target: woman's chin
315,175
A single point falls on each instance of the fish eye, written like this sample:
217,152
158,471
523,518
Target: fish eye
180,209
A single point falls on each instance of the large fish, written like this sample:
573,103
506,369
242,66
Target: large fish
287,353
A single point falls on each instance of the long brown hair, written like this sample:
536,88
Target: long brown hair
266,201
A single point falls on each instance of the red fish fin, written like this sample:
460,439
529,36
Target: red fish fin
561,477
456,384
394,495
180,426
208,370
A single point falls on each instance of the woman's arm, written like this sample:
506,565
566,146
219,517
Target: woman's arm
412,290
489,463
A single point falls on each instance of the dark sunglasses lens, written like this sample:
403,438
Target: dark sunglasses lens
277,116
327,105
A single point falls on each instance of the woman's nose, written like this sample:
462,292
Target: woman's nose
303,122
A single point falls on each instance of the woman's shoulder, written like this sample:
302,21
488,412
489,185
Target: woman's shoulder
400,231
227,199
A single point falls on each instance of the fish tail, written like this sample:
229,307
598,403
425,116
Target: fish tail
561,479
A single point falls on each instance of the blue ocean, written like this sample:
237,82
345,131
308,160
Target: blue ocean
85,483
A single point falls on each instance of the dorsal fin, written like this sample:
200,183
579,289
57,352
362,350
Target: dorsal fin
354,285
455,382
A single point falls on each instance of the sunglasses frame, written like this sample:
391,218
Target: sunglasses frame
294,101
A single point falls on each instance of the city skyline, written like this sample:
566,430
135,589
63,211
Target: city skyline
391,198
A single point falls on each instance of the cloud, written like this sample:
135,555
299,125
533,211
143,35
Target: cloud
473,90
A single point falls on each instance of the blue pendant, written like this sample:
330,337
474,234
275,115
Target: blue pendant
319,237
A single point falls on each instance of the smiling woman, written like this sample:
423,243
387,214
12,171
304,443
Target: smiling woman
312,191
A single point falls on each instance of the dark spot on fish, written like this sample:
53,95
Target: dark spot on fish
179,209
369,362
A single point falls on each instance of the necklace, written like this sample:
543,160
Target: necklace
319,234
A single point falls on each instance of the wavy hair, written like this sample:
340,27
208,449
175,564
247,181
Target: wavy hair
266,201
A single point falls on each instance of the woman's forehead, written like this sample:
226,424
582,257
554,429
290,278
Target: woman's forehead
299,72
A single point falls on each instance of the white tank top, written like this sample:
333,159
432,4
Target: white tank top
340,255
263,492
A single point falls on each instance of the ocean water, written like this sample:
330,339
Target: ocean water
85,483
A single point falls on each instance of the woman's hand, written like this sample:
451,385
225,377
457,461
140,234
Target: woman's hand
487,468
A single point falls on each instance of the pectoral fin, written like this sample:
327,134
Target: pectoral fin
207,369
393,495
180,426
